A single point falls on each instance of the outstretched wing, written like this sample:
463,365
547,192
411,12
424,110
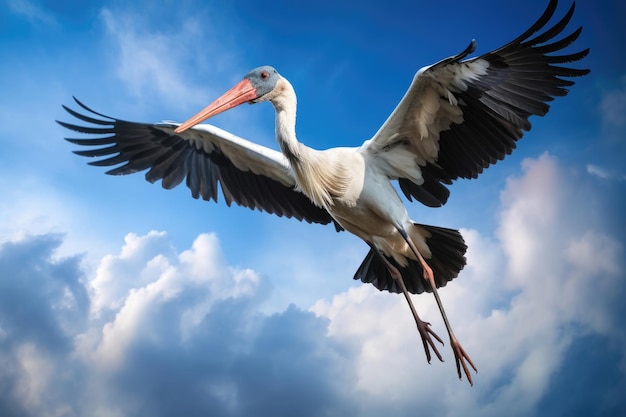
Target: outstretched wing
460,116
250,175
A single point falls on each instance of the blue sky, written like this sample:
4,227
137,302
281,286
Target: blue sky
119,298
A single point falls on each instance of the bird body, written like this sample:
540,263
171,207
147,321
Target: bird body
458,117
352,184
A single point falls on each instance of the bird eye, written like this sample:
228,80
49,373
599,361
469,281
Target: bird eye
265,75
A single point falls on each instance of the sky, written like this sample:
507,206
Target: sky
120,298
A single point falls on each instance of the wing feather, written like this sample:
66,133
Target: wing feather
463,115
249,175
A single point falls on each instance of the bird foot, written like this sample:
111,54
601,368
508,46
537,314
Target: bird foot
462,359
425,333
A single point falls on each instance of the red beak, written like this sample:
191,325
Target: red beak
241,93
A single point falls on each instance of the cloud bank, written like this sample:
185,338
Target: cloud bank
158,331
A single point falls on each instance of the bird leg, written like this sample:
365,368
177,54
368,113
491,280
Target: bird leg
460,356
422,326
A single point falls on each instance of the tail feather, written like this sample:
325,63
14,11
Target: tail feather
448,259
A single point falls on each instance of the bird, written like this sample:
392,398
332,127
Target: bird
458,117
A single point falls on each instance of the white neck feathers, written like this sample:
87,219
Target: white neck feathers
318,176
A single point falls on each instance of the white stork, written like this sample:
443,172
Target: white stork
457,118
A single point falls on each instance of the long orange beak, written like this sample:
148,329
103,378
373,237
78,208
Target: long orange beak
242,92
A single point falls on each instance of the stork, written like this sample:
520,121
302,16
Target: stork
458,117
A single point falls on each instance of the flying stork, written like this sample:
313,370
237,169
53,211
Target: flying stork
458,117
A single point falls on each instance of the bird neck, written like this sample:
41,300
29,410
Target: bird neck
319,177
285,104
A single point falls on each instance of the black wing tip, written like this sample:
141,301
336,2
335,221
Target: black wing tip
455,58
471,48
103,125
84,117
81,104
541,23
65,124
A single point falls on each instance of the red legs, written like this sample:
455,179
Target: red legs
460,356
422,326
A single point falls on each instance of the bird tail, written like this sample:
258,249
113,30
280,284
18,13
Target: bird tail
448,259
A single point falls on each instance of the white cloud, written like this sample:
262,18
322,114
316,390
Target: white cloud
602,173
157,61
141,259
148,274
148,353
597,171
32,12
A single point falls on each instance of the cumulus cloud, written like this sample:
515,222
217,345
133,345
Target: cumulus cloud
159,331
155,332
42,306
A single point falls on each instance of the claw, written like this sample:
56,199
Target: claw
462,359
425,333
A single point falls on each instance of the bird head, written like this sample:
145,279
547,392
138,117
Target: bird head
255,87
